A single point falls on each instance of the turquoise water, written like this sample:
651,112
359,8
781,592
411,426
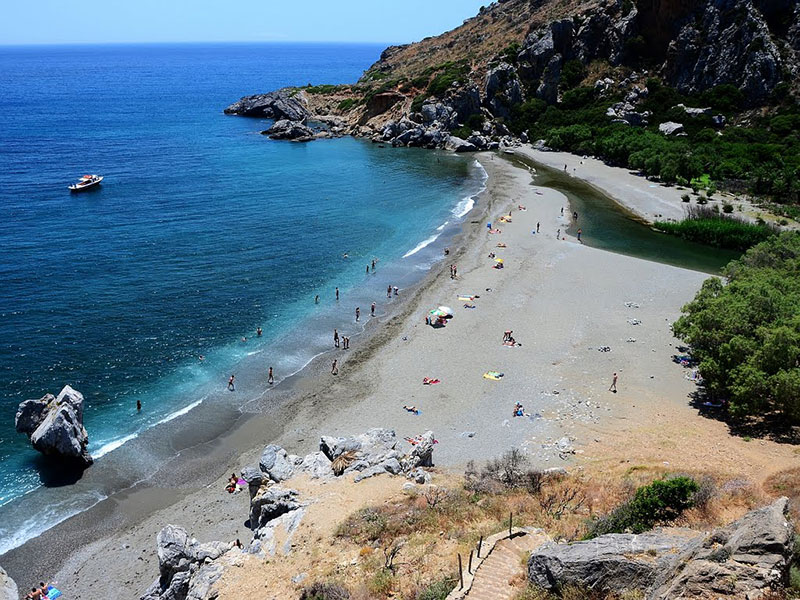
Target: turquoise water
202,231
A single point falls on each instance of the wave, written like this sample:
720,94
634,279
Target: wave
421,245
468,203
57,513
180,413
113,445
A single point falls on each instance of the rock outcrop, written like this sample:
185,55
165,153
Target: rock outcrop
285,103
8,589
187,568
285,129
743,560
55,426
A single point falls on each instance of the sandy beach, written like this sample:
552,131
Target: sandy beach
564,302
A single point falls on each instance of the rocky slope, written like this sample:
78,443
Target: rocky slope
480,73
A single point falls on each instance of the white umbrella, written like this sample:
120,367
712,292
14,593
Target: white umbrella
446,310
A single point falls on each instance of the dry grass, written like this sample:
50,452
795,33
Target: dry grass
786,483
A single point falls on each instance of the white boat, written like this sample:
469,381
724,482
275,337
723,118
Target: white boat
86,182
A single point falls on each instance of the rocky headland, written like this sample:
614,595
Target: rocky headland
465,90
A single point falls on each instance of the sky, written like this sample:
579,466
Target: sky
148,21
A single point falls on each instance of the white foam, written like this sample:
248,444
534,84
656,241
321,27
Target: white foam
180,413
113,445
421,245
467,204
36,525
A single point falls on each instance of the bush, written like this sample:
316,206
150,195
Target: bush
381,583
660,502
510,471
572,73
745,335
685,198
416,104
702,200
727,208
324,591
347,104
438,590
461,132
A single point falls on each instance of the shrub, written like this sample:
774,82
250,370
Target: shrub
510,471
708,226
702,200
324,591
462,132
660,502
347,104
685,197
438,590
727,208
381,583
475,121
572,73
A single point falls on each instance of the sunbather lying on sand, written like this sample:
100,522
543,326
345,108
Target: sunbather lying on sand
416,440
520,207
501,245
426,381
495,231
469,306
412,409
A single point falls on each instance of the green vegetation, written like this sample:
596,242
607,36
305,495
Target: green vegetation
446,75
745,334
438,590
322,89
572,73
347,104
416,104
764,157
708,226
662,501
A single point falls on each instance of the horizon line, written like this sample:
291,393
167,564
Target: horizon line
191,42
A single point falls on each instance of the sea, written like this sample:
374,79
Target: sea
151,287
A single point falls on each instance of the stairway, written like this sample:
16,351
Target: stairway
499,577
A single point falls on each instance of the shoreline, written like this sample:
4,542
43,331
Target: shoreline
563,300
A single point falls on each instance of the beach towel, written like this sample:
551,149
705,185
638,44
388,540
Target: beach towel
53,593
493,375
466,298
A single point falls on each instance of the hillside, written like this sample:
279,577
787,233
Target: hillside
677,89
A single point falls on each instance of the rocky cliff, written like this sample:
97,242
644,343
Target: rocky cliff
468,82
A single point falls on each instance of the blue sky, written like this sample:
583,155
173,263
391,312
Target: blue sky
125,21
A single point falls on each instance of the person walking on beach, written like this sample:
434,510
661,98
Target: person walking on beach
613,387
231,386
270,377
558,234
358,313
334,368
562,208
580,231
372,310
455,272
347,343
335,338
537,226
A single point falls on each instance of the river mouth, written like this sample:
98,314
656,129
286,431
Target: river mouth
607,225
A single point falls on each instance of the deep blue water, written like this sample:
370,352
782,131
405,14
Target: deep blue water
202,231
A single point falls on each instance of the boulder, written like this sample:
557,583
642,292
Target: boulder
502,90
290,130
372,442
270,503
615,562
55,426
670,128
285,103
695,112
456,144
275,463
317,465
742,560
8,589
436,111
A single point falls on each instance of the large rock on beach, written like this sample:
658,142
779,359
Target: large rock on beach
55,426
741,560
286,103
8,589
270,503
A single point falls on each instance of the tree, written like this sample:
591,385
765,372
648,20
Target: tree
745,332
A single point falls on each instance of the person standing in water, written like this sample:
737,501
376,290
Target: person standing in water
258,332
138,406
316,299
337,293
372,310
335,338
358,313
367,269
373,265
613,387
389,292
270,377
231,386
396,289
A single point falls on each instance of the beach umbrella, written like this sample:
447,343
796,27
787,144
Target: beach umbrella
498,260
446,311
